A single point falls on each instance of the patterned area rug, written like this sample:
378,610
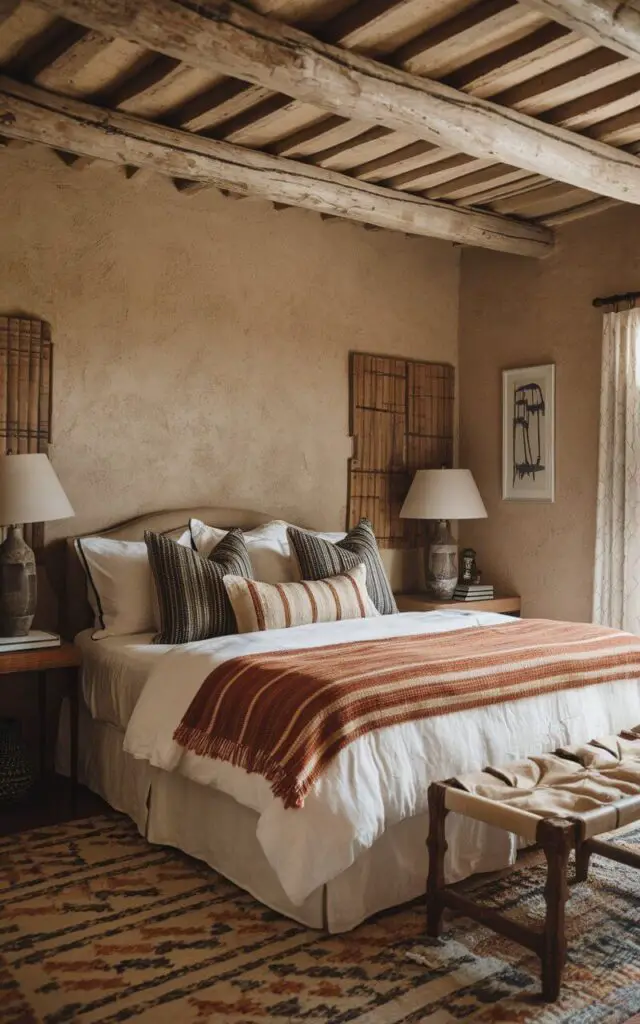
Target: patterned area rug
96,925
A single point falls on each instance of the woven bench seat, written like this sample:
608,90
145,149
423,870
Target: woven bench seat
562,801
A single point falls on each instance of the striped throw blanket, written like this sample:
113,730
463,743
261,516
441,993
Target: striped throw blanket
287,714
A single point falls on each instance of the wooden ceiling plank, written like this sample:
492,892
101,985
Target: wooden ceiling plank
43,48
595,106
252,116
588,209
490,195
584,74
370,135
309,14
32,114
273,127
609,22
154,71
304,142
366,147
152,99
223,100
621,130
379,27
539,200
473,33
355,18
234,40
448,164
485,75
415,154
468,184
71,59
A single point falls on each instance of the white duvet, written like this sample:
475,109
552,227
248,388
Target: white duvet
381,778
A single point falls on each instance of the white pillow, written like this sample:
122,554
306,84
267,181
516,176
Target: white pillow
269,550
120,586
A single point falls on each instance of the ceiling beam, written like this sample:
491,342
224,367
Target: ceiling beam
223,36
608,22
29,113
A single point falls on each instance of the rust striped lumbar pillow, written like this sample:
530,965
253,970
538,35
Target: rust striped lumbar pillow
259,606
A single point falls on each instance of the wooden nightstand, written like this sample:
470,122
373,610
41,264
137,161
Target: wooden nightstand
506,605
42,662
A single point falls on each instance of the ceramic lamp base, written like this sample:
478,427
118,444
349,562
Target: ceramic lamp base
441,563
18,592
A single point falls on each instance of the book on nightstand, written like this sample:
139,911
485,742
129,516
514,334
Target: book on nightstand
473,592
35,640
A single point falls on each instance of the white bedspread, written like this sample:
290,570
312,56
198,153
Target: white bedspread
114,672
381,778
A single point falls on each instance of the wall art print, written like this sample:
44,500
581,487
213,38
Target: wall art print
528,439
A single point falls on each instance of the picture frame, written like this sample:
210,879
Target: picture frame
528,433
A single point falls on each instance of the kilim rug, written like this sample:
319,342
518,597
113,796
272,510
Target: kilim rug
96,925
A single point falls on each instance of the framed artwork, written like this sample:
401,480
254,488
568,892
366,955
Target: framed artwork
528,440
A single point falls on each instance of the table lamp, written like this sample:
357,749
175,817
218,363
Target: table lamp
30,492
443,494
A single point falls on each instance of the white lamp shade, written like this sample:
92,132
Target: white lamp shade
30,491
443,494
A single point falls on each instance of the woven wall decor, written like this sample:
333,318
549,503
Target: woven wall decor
25,393
401,419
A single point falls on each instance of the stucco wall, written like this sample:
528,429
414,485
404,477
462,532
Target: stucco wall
201,344
517,312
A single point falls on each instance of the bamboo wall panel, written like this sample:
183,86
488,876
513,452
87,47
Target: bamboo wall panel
25,393
401,420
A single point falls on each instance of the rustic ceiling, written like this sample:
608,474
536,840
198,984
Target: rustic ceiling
205,81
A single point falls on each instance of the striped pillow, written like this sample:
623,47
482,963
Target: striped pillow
191,595
260,606
320,558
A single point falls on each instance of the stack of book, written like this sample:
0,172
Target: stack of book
473,592
33,641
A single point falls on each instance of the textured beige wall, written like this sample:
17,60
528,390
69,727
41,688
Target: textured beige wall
201,344
517,312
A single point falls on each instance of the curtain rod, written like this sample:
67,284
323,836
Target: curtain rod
613,300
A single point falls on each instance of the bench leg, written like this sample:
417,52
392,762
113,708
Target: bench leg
557,838
583,856
437,846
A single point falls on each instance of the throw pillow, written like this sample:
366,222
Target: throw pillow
260,606
191,595
319,558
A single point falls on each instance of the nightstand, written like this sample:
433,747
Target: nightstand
505,604
43,663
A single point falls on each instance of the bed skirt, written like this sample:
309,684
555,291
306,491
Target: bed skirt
211,826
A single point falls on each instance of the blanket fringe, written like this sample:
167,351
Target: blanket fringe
283,785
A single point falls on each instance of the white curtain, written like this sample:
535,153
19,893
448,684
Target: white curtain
616,593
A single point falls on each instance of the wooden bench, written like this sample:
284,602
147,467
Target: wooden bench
561,801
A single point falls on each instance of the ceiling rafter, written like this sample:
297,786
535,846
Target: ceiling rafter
34,115
609,22
231,38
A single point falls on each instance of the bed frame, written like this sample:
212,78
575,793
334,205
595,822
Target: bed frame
209,825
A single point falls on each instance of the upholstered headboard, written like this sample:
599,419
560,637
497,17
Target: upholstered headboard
76,612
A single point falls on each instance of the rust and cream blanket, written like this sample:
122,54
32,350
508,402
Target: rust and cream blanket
288,714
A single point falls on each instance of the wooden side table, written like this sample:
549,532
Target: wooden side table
42,662
503,603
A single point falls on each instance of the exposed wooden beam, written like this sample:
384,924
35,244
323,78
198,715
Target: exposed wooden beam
224,36
610,23
30,113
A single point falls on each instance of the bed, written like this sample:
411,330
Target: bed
321,876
